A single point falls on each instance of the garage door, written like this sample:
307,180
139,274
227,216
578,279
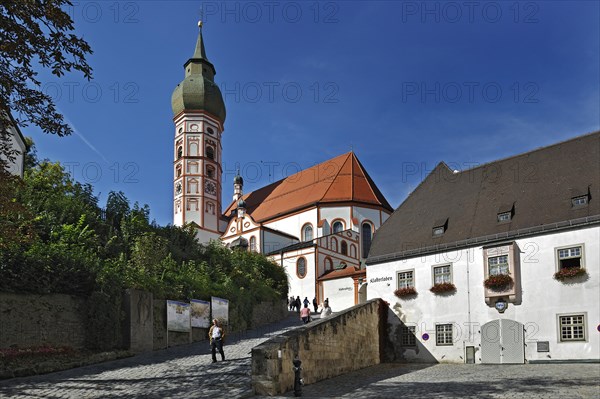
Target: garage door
502,342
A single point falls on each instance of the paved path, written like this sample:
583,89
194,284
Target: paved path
527,381
180,372
187,372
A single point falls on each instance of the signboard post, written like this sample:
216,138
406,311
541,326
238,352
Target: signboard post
178,318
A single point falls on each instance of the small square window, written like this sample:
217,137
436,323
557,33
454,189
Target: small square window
579,201
408,336
570,257
572,327
504,216
443,334
405,279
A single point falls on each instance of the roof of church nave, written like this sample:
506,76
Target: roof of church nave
340,179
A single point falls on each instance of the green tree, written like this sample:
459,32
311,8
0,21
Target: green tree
32,33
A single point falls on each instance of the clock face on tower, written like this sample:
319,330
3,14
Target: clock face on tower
210,188
178,188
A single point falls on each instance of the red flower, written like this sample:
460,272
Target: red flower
498,282
404,292
442,287
569,272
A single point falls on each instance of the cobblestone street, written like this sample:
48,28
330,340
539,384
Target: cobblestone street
187,372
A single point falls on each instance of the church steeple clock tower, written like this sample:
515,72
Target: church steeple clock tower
199,117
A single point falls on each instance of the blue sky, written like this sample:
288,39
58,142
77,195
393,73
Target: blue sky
404,84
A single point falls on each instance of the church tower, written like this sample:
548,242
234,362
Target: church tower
199,117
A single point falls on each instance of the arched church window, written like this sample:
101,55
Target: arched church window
307,232
338,226
328,264
367,235
179,152
353,250
301,268
344,248
253,244
333,244
178,170
210,130
210,153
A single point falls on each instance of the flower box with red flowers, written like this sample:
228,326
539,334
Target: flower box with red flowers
569,272
441,288
498,282
405,292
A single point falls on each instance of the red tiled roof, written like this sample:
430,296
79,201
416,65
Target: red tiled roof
341,179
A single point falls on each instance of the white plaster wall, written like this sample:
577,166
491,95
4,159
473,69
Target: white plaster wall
340,293
293,224
372,215
299,286
15,167
206,236
543,298
338,212
274,242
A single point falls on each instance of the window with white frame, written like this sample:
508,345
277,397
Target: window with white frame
498,265
405,279
570,257
572,327
407,334
443,334
442,274
579,201
253,244
504,216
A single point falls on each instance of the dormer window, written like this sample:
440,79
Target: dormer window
504,217
580,201
439,227
505,212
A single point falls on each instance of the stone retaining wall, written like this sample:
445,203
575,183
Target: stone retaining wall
344,342
39,320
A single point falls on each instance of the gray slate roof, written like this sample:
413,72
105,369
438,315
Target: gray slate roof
537,187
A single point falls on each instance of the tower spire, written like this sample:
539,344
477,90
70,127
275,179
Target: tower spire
200,51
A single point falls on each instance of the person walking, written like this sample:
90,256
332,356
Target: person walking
292,302
326,309
305,314
305,301
216,334
315,304
298,304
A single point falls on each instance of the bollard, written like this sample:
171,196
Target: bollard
298,382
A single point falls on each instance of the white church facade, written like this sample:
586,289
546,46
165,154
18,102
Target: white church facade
317,224
499,263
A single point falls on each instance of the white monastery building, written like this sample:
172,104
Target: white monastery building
317,224
16,143
499,263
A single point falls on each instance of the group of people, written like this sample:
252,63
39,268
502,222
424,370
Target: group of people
216,333
296,304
